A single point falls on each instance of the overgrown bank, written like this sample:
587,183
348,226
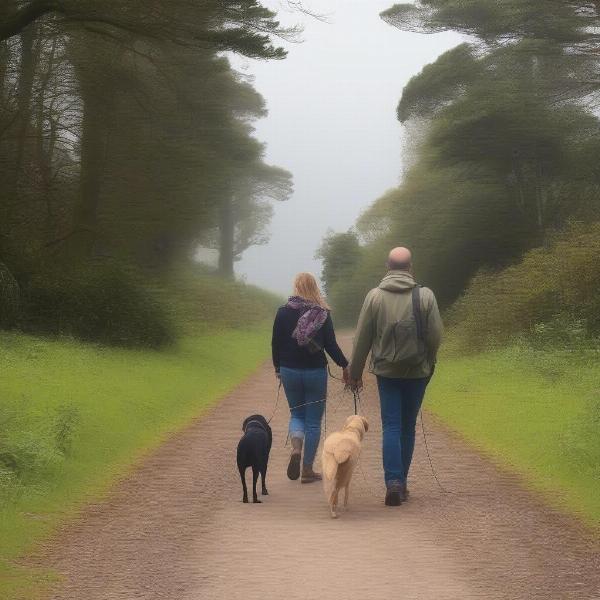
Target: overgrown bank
75,417
535,412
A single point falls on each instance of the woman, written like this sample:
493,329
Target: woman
302,331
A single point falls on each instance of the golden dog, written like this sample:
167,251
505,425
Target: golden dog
340,455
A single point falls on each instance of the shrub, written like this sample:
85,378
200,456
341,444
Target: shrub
32,446
99,304
551,293
197,299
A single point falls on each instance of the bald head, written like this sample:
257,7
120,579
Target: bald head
399,259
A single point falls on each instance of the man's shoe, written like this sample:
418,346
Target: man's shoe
395,493
406,493
308,475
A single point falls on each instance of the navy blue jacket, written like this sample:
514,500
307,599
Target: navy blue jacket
287,352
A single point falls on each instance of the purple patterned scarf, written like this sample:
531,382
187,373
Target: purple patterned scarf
312,319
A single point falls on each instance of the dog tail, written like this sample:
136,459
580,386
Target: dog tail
330,466
342,451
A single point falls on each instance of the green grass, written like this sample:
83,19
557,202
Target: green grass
76,417
534,412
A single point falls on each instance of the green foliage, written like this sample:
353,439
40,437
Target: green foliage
198,301
124,132
95,303
507,133
535,412
439,83
551,295
131,308
340,253
76,417
33,445
499,22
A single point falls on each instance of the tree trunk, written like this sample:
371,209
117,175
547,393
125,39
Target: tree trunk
4,58
46,144
226,237
26,77
95,131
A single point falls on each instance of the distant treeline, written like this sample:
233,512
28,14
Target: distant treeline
502,156
125,143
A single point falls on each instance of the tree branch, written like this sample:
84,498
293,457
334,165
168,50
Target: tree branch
19,20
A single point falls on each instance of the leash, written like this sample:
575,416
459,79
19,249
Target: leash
355,392
298,406
356,395
356,399
357,405
433,471
332,375
276,402
276,406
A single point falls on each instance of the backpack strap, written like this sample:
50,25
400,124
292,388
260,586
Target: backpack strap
416,306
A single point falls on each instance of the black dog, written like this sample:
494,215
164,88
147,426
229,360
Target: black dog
253,451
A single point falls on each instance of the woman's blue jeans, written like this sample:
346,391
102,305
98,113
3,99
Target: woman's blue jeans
306,391
400,401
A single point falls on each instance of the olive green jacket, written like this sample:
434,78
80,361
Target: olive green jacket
386,304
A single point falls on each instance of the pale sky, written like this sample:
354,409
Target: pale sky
332,123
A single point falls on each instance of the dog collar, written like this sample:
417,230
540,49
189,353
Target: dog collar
259,423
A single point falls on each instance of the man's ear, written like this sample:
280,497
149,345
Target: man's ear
365,423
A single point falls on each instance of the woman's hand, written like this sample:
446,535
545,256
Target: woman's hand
345,375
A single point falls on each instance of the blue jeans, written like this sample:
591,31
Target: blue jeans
305,390
400,401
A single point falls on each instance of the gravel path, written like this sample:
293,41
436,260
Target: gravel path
176,528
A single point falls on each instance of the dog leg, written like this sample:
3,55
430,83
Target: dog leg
346,495
263,476
254,481
243,478
333,503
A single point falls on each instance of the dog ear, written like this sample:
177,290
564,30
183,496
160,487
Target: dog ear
365,423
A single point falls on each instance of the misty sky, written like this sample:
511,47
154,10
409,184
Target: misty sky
332,123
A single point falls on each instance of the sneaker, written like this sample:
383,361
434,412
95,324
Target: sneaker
395,493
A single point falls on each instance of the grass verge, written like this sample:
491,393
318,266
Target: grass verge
75,417
536,412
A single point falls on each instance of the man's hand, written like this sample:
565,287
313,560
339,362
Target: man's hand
356,384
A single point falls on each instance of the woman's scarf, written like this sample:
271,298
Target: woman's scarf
312,319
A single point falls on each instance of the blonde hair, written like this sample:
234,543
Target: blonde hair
305,286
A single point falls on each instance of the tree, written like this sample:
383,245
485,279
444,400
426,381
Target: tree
241,26
244,216
125,124
340,253
505,131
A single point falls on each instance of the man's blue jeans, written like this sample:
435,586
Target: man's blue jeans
400,401
306,391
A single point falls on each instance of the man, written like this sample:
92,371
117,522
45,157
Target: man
400,325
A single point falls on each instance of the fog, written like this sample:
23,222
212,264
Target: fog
332,123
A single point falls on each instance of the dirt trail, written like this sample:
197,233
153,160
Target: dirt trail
176,528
